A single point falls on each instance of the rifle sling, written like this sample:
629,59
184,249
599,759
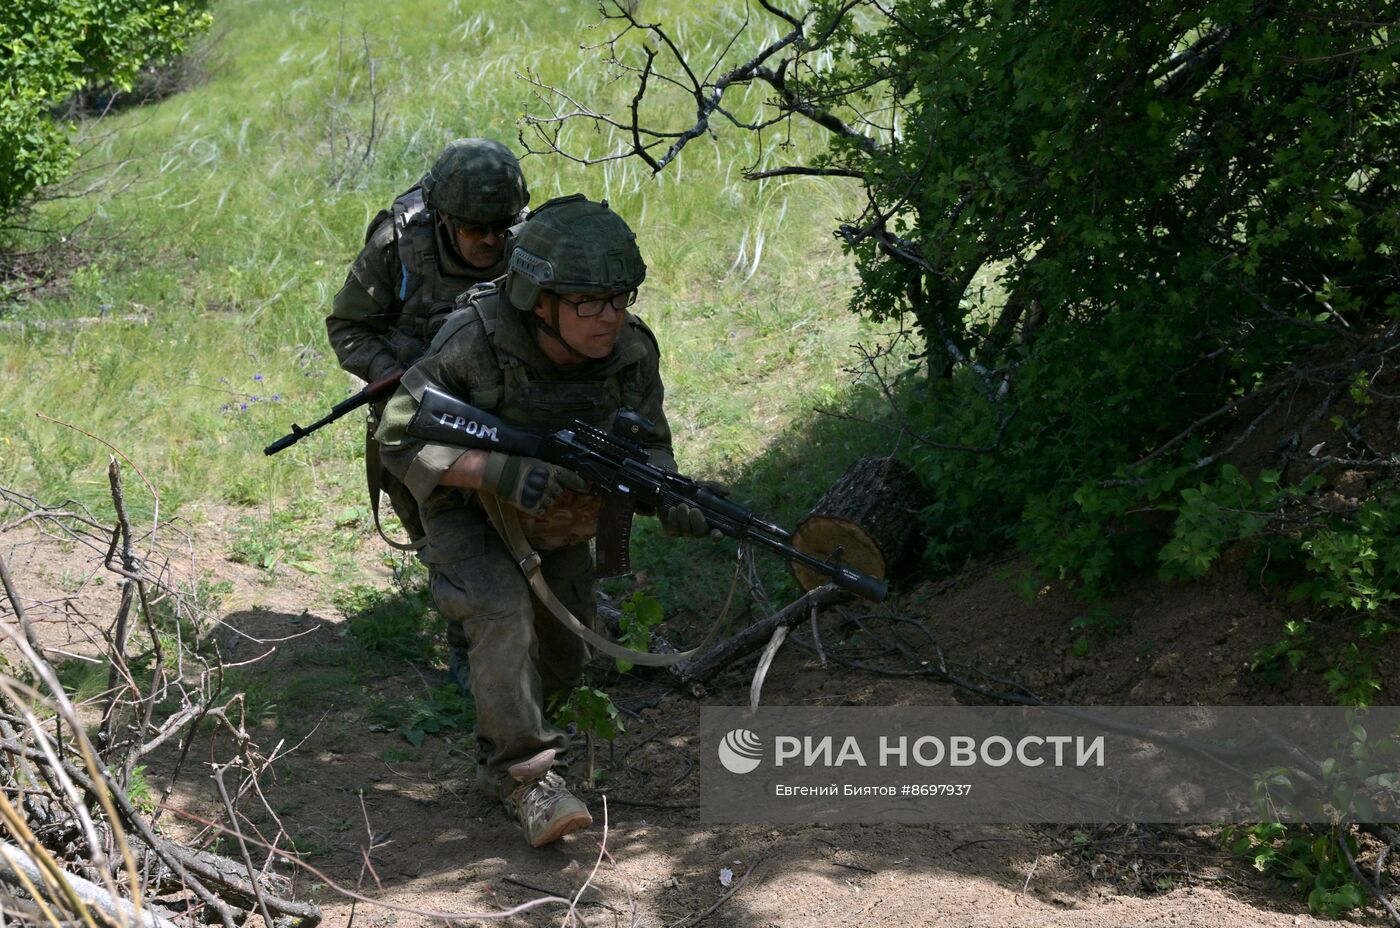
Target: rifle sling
372,480
507,524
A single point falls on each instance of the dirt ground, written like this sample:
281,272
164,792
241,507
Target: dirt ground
407,830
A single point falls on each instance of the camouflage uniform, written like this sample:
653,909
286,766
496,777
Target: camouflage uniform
408,276
401,286
520,654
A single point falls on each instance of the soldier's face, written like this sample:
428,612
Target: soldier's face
595,335
480,244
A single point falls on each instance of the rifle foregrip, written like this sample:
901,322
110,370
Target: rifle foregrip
723,507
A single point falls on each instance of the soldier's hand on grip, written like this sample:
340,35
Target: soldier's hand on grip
528,484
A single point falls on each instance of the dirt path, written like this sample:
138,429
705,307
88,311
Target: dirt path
439,845
405,826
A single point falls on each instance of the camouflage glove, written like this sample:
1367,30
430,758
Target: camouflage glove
528,484
683,520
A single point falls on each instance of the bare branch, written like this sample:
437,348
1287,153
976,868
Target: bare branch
769,65
798,170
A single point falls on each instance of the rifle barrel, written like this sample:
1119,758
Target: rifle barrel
380,388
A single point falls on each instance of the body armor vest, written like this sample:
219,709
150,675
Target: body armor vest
425,289
501,384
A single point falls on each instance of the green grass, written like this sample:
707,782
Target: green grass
296,703
398,622
224,228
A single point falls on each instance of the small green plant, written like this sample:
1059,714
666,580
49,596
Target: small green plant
640,615
1308,858
138,790
266,543
1097,624
1357,781
1355,565
1274,662
591,710
399,621
444,710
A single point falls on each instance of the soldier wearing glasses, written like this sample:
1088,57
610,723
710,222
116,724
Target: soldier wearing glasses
442,236
551,342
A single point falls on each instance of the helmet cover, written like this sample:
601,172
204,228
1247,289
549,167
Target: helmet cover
572,245
475,180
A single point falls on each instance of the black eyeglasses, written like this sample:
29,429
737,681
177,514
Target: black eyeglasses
483,229
595,305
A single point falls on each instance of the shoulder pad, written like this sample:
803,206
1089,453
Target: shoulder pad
486,297
409,208
377,225
638,325
381,232
481,303
458,320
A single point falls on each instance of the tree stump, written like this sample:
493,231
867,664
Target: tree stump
871,514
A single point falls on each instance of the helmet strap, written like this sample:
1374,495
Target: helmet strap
449,230
551,328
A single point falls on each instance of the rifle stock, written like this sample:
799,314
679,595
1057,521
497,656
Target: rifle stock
616,464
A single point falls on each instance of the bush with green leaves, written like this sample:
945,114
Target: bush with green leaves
50,49
1145,256
1356,782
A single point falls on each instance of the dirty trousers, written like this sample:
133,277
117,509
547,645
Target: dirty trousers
520,654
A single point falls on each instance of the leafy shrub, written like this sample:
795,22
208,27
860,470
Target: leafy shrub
51,48
1127,242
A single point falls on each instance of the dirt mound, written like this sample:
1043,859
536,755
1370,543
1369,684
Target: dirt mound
1154,643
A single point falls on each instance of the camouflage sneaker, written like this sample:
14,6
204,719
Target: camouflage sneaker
547,810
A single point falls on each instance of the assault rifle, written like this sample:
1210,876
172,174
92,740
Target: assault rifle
616,463
381,389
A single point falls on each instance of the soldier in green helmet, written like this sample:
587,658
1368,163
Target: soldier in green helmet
551,342
442,236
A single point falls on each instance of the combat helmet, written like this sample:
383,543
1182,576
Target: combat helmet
572,245
475,180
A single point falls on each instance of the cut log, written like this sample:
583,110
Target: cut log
871,514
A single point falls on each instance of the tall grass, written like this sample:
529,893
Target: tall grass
227,229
